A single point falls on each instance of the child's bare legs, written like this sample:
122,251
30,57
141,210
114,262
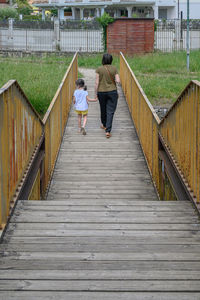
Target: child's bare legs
84,120
79,122
84,124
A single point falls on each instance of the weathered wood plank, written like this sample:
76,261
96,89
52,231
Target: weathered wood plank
100,275
104,240
23,295
103,227
52,264
104,256
108,213
100,208
98,247
108,233
103,219
114,202
101,285
62,196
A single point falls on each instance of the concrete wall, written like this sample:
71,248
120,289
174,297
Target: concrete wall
131,36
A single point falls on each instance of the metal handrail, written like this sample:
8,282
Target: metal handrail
20,132
56,117
29,145
145,119
180,130
178,134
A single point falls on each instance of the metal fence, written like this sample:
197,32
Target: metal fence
170,35
83,39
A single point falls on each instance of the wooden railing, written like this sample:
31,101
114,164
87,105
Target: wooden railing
56,117
20,132
144,117
180,130
26,141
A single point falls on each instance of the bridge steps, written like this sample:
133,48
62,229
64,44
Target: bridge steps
101,234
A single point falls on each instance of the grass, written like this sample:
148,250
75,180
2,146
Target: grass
38,77
162,76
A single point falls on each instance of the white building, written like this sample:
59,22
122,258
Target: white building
158,9
194,8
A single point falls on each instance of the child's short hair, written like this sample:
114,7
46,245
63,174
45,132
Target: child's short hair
81,83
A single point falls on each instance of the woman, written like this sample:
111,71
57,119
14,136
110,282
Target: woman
105,87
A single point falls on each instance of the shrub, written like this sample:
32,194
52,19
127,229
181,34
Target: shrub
24,10
32,18
104,20
8,12
54,12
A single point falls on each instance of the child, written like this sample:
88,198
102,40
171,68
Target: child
80,100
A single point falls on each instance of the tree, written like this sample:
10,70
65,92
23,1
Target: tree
23,7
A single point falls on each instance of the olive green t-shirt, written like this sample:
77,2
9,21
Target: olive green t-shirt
105,82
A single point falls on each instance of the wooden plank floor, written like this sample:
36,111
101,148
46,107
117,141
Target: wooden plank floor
102,234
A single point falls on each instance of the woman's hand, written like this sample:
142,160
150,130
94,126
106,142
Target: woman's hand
117,79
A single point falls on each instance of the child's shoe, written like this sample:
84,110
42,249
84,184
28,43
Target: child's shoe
83,131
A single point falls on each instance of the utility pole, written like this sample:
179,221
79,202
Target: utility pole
178,9
188,35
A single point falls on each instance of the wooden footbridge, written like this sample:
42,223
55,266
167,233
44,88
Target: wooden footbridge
102,232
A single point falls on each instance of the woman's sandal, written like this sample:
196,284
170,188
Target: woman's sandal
102,127
108,135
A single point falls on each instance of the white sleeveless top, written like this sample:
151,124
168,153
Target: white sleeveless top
80,100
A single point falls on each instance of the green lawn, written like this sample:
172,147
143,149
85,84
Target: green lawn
162,76
38,77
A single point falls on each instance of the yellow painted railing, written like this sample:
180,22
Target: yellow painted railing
56,118
20,132
144,117
180,130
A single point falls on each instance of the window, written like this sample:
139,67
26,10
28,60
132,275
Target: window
162,13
